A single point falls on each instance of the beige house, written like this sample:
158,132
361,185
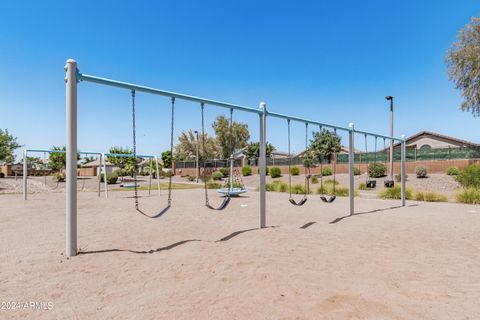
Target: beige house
426,140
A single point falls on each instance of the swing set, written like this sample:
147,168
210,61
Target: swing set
73,76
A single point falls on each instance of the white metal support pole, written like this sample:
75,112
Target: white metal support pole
404,174
351,159
158,176
99,175
25,173
150,177
71,147
105,183
263,164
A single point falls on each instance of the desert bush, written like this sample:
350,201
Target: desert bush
356,171
314,180
328,190
111,178
275,172
294,171
277,186
236,184
398,177
469,176
453,171
298,189
169,174
395,193
326,171
217,175
362,186
225,171
190,178
246,171
59,177
213,185
2,175
469,195
376,170
161,174
421,172
430,196
331,182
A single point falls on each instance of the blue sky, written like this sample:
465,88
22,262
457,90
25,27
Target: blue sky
332,61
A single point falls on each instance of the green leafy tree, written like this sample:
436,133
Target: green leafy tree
186,149
463,62
324,145
35,163
167,159
8,145
127,165
58,160
252,150
230,139
88,159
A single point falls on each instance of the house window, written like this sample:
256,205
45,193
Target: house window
426,147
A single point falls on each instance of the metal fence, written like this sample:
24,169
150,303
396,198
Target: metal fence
220,163
458,153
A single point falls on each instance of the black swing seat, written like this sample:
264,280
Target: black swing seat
300,203
222,206
371,184
388,183
157,215
329,199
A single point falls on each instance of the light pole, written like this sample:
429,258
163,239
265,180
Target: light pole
391,135
196,158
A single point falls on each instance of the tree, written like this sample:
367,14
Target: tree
88,159
463,62
230,139
127,165
58,160
167,159
324,144
35,163
252,150
186,149
8,145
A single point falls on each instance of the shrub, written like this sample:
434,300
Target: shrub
362,186
236,184
298,189
213,185
59,177
356,171
326,171
247,171
330,182
111,178
328,190
294,171
161,174
217,175
469,195
314,180
169,174
421,172
453,171
398,177
430,196
120,173
225,171
275,172
376,170
190,178
2,175
469,176
395,193
277,186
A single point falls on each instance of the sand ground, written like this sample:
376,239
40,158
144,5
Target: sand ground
416,262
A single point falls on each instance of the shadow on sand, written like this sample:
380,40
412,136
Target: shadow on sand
371,211
173,245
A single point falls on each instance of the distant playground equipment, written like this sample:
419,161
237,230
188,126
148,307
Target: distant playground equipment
74,76
102,170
